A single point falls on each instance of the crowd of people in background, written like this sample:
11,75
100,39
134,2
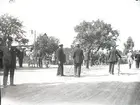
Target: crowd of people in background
9,55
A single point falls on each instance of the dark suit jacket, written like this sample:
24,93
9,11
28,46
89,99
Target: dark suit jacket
137,57
78,55
13,56
9,56
60,55
113,55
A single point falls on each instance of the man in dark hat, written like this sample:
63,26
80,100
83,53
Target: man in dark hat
20,56
61,58
9,62
78,57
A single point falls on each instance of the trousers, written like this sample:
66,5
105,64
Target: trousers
60,69
8,69
111,67
77,69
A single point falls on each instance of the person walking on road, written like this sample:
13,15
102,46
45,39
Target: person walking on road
53,58
61,58
87,58
78,57
20,57
137,59
112,59
130,58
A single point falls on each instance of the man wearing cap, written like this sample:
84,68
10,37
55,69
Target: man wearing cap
112,59
9,60
130,58
61,58
78,57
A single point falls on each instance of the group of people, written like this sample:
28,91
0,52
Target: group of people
35,58
133,56
8,57
78,58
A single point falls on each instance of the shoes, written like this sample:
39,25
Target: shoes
78,76
12,85
4,86
62,75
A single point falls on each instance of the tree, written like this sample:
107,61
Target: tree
95,35
11,26
24,40
46,44
129,45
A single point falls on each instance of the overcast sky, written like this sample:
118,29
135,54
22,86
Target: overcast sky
59,17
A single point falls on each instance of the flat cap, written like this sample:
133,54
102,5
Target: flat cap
60,44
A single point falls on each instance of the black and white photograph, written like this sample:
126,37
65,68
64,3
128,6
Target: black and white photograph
69,52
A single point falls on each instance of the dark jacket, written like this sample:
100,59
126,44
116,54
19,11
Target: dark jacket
9,56
1,54
78,55
137,57
60,55
113,55
13,55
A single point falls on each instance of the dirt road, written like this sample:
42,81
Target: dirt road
96,87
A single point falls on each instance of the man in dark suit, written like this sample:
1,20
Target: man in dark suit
78,57
112,59
21,56
137,59
1,55
61,58
9,61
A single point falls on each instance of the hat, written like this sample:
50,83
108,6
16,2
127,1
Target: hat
60,44
77,43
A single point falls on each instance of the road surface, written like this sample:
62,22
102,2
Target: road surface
94,87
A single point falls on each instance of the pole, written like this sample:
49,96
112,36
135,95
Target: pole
34,38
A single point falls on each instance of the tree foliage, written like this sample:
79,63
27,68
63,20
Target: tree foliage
24,40
95,35
129,45
11,26
46,44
